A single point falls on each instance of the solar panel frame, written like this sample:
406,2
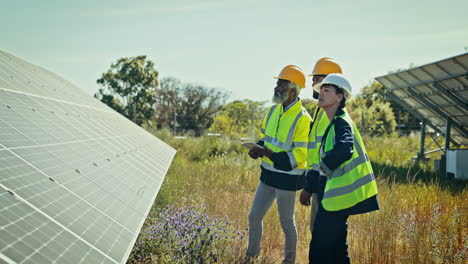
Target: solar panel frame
434,92
73,172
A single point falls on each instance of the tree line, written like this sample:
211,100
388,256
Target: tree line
131,87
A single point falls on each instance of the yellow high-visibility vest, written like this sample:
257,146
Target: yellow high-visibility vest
353,181
317,130
287,132
321,122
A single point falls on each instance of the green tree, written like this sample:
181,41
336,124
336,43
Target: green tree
113,102
372,117
222,125
187,107
257,112
197,106
375,91
239,115
310,105
239,118
167,101
129,87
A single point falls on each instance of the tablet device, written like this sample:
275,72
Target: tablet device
251,145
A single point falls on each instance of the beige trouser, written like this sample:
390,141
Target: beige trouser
264,199
314,205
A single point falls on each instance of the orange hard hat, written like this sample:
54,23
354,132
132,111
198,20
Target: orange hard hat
293,74
325,66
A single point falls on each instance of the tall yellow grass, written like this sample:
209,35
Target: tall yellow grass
420,221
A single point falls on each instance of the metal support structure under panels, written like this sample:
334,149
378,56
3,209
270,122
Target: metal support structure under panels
423,137
447,133
459,102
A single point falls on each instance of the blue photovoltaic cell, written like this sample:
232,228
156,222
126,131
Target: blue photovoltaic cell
77,179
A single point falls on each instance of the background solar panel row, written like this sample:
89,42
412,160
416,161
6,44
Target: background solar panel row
435,92
76,178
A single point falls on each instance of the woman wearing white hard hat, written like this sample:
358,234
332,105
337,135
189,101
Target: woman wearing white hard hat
347,185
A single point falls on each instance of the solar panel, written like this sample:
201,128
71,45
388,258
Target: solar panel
77,179
435,92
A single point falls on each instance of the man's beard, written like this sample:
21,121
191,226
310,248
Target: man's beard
279,98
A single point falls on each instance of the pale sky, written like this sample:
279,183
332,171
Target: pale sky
236,46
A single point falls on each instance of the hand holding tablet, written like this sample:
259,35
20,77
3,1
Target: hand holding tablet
251,145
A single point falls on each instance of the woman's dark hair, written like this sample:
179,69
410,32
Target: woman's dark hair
340,91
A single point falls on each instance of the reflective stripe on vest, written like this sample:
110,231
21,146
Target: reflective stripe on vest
288,145
270,113
298,144
313,144
362,158
292,159
315,140
270,167
348,184
316,167
280,135
350,188
272,109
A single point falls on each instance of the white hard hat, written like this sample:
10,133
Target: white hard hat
338,80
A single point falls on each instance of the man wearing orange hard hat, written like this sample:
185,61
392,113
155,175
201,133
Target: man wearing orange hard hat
283,149
320,122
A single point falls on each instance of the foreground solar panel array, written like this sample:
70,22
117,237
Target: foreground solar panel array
77,179
435,92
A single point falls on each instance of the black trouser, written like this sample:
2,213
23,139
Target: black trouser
328,245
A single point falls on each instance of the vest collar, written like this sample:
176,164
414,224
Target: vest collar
291,104
339,112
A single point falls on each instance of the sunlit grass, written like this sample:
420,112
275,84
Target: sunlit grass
423,218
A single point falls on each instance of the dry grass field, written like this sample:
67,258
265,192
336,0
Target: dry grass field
211,183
